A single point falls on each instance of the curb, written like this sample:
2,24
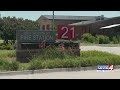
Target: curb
16,73
25,72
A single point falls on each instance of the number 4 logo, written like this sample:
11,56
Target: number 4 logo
110,67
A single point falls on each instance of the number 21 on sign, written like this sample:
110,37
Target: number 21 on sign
66,32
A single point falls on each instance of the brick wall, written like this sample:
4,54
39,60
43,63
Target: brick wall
94,28
45,25
44,22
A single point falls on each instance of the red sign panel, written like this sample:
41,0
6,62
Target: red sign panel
66,32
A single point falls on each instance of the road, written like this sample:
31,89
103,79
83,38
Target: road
91,74
113,50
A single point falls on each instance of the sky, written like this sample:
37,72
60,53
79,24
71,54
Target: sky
34,15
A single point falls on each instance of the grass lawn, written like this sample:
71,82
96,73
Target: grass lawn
7,54
104,45
1,41
87,58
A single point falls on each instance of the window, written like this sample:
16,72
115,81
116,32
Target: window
84,30
48,27
43,27
89,30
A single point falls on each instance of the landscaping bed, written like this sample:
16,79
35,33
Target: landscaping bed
50,60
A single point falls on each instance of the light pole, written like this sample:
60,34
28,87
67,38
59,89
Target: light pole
0,14
53,22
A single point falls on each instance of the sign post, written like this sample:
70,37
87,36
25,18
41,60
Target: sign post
28,43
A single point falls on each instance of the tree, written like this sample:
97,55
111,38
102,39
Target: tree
9,25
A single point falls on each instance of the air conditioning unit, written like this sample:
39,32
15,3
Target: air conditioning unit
100,18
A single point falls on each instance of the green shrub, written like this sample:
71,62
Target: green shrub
101,39
115,40
9,65
94,53
93,58
9,47
87,58
118,38
24,66
8,53
87,37
6,46
51,53
49,64
35,64
12,66
2,47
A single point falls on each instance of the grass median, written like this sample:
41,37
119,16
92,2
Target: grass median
87,58
102,45
53,59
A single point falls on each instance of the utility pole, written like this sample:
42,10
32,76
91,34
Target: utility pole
53,22
0,14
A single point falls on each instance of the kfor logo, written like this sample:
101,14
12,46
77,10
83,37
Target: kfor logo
105,67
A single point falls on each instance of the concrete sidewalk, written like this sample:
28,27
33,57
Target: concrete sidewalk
91,74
